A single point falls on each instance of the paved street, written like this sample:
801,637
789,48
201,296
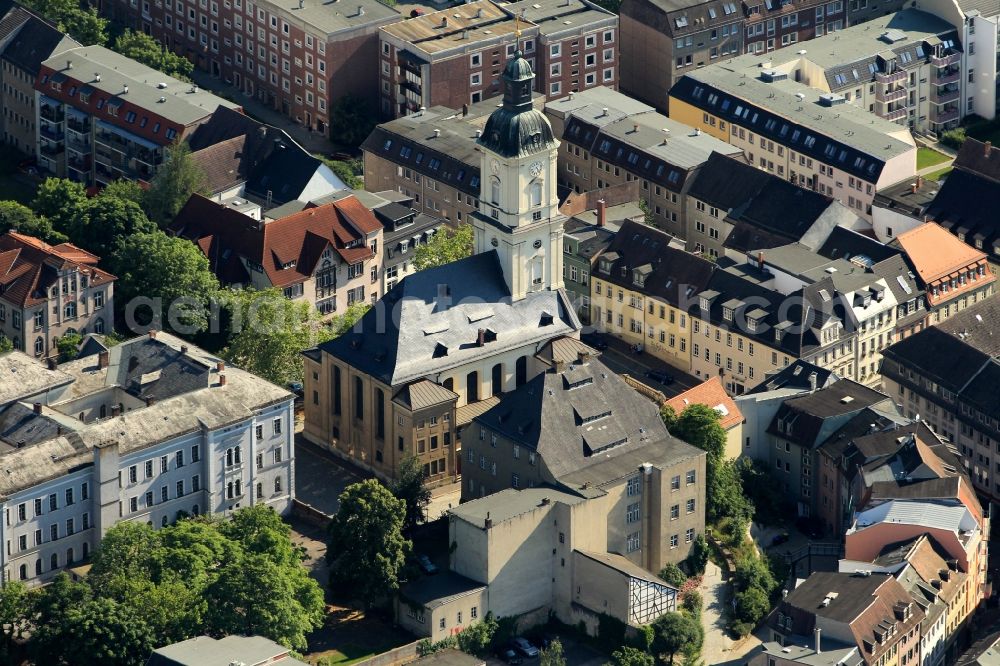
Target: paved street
320,478
719,647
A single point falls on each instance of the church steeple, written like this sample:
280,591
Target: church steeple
518,213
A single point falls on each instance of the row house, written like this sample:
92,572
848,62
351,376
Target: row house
946,374
609,139
48,291
101,116
151,430
453,57
298,59
26,41
326,255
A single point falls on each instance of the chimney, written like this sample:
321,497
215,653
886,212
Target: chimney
262,131
913,187
479,13
479,133
488,523
604,111
571,93
602,213
152,334
920,182
444,21
583,357
37,407
465,34
69,64
222,380
545,501
150,401
125,90
361,10
184,349
220,366
52,363
986,149
97,77
437,133
816,633
300,4
481,337
812,381
103,359
116,410
635,128
760,260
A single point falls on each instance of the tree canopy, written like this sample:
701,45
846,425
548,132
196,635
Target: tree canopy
630,656
444,248
143,48
175,181
62,201
15,216
107,223
82,22
552,655
351,120
675,633
366,549
409,487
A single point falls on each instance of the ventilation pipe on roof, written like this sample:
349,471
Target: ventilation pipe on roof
220,366
222,380
125,89
437,132
479,13
37,407
479,133
986,149
152,334
444,21
97,76
604,112
817,632
602,212
69,64
361,10
488,523
103,359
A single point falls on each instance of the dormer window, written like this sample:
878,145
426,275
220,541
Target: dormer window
605,266
624,271
727,314
778,333
752,324
704,304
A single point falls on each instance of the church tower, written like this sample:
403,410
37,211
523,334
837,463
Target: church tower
518,207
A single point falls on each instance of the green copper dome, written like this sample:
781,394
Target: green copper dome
517,129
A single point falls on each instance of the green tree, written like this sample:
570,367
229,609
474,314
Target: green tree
366,550
63,202
157,266
675,633
692,603
444,248
698,558
752,605
699,425
273,331
351,120
476,639
669,416
630,656
124,189
82,22
343,323
69,346
175,181
108,223
752,571
673,575
552,655
98,631
16,608
18,217
409,487
349,171
143,48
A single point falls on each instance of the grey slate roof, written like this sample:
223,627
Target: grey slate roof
22,376
796,375
333,18
438,590
970,194
509,503
808,419
422,394
36,41
429,321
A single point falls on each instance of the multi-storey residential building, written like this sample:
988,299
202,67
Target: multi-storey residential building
26,40
713,394
902,207
947,374
609,139
454,56
953,274
404,229
47,291
298,58
795,131
736,206
541,435
642,292
663,40
844,618
150,430
327,255
543,551
101,116
457,334
431,157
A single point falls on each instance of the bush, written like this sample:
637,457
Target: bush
954,138
752,605
742,629
673,575
692,603
610,632
698,558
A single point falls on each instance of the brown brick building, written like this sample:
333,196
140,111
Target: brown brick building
454,56
297,57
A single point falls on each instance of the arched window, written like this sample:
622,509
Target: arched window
521,371
229,457
99,326
472,387
39,346
164,521
195,510
495,191
496,380
449,383
238,455
17,344
536,193
277,484
38,566
70,310
260,490
359,398
104,411
229,490
24,572
54,561
86,549
69,557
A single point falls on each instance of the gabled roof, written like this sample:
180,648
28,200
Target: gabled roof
422,394
35,40
935,253
808,419
796,375
288,249
710,392
28,268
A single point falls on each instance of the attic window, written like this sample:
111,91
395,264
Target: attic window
605,266
583,381
752,324
727,314
440,350
288,264
704,304
638,278
545,319
777,334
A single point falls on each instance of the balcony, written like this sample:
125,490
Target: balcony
947,75
78,163
78,125
112,140
895,114
50,132
886,79
942,116
51,149
944,95
944,61
148,157
51,113
890,96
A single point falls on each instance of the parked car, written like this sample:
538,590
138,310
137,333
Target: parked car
595,340
507,655
426,565
660,376
811,527
779,539
524,647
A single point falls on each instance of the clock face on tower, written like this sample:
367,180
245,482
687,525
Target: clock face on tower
495,166
537,244
535,169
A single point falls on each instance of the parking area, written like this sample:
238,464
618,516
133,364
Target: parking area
620,358
320,477
577,654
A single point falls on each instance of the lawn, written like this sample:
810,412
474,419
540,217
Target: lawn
927,157
349,637
939,175
14,185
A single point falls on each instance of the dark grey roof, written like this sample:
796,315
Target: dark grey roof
422,394
21,426
35,42
582,416
416,225
434,591
429,321
938,356
694,15
92,344
808,419
902,198
517,128
796,375
843,243
970,193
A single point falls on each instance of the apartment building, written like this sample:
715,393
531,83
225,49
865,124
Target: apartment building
327,255
795,131
101,116
47,291
954,275
609,139
26,40
844,618
151,430
298,58
663,40
902,207
431,157
454,56
732,205
712,393
403,231
643,290
946,374
461,333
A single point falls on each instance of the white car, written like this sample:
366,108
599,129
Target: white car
525,648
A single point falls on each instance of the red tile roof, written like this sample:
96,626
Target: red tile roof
710,392
227,236
28,267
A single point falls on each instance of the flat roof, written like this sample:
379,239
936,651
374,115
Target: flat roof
555,16
456,27
333,17
510,503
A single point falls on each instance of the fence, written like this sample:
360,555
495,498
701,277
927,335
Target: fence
310,514
400,655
